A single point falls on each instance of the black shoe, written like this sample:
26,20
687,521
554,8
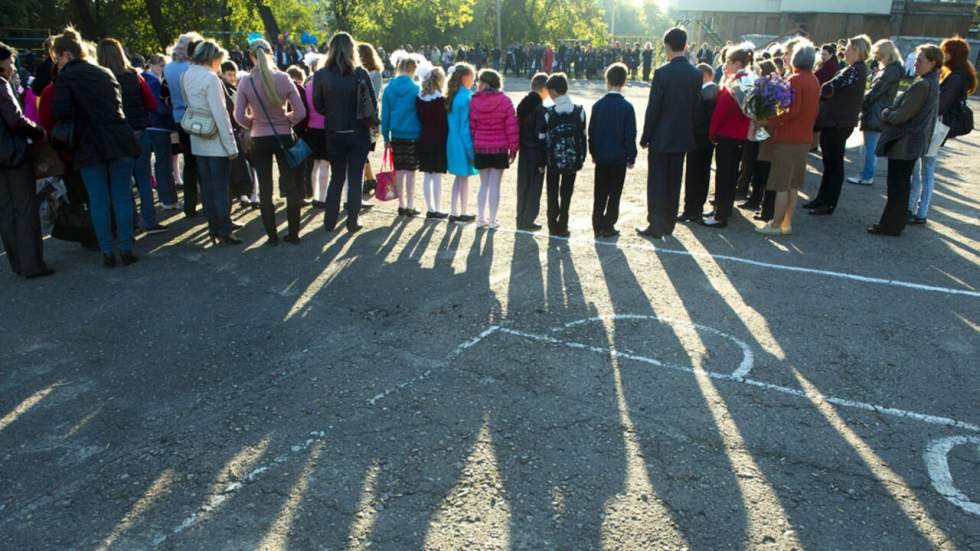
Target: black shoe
329,228
453,219
432,216
43,273
813,204
128,258
750,205
609,234
916,221
438,215
878,230
272,241
412,213
466,217
109,260
402,212
319,205
190,214
159,228
291,239
648,232
688,218
822,211
534,227
354,228
760,216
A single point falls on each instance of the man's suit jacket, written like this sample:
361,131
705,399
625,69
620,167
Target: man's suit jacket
674,96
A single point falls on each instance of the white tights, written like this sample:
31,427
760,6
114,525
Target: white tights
323,181
489,187
406,188
432,188
461,190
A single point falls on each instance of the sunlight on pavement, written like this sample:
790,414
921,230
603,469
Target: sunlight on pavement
762,506
359,537
27,404
487,522
230,476
159,488
891,481
277,537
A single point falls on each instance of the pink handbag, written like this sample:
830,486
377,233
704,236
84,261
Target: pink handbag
386,189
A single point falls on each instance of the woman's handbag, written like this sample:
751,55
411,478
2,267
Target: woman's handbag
196,121
386,188
367,108
299,151
63,136
46,161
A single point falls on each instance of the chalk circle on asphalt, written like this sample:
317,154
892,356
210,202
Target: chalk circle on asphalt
937,461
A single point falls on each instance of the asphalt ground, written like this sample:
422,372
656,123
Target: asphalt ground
426,386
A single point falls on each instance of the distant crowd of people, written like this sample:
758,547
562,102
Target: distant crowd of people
93,123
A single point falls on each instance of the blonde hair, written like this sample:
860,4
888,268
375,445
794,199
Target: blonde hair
458,73
207,52
862,45
886,48
262,52
178,52
342,54
435,82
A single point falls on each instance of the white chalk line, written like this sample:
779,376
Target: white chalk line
937,461
740,260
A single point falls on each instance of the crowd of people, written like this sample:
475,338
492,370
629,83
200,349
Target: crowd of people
93,122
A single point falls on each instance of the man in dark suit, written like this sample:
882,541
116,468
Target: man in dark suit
668,133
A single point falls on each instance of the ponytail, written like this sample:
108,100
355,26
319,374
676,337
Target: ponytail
456,74
262,52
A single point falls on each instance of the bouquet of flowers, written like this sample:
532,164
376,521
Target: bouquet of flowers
769,96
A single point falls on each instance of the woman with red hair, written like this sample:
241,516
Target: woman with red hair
958,79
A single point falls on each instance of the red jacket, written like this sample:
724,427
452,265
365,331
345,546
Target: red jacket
728,120
795,126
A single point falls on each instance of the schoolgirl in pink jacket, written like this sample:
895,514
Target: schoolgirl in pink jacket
493,123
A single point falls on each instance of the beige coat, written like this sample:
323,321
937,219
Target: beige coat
203,90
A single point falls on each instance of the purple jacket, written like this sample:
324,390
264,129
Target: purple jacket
493,123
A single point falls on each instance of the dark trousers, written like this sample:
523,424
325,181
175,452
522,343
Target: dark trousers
896,213
664,191
530,180
750,152
347,153
560,188
646,72
760,177
833,145
20,225
768,205
698,179
609,181
215,173
264,149
189,173
727,157
306,177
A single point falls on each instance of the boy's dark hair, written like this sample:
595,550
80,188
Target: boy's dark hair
616,75
229,66
706,69
6,52
296,72
558,83
676,39
539,81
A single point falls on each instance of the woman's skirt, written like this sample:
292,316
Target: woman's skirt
432,158
405,154
484,161
788,167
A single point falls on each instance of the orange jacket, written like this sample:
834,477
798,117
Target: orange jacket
795,126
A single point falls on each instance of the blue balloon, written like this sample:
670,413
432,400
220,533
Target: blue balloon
253,36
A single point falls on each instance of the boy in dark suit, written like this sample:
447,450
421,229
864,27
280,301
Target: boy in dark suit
532,160
699,161
668,132
612,144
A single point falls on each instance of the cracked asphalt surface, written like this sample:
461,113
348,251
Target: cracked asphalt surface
421,386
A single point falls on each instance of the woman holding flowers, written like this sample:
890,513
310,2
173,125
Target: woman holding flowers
792,132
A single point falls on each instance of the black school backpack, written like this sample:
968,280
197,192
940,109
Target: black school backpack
566,140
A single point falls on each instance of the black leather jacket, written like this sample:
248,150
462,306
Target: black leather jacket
335,97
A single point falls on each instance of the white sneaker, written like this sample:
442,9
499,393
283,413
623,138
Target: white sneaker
859,182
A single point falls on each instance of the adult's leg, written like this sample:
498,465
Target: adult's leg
120,188
162,166
675,176
339,162
206,179
96,179
263,149
291,186
760,177
870,158
916,186
221,193
141,171
895,215
928,184
19,213
190,174
834,163
356,159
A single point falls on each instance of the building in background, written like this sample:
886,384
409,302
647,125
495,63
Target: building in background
826,20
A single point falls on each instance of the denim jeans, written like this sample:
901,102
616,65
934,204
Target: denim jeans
141,171
162,165
347,153
923,181
109,187
214,177
870,159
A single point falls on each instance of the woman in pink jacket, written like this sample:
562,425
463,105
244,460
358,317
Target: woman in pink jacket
493,123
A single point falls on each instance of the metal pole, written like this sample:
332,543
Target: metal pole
500,35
